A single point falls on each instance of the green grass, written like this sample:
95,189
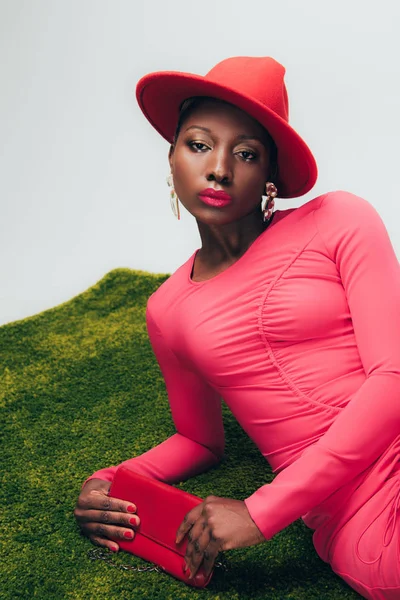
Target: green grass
79,390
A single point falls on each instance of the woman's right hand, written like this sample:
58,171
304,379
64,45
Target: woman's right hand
101,517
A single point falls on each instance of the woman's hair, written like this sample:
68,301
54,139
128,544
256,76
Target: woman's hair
188,106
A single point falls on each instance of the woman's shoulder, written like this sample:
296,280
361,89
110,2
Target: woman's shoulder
333,200
172,287
336,216
327,202
345,210
334,211
344,200
345,220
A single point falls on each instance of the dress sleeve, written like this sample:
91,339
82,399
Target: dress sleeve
357,241
196,411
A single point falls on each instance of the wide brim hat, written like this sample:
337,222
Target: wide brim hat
255,85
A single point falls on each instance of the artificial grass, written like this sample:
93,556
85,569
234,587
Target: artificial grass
80,389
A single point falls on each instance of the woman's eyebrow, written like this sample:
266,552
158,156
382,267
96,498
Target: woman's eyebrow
198,127
240,137
250,137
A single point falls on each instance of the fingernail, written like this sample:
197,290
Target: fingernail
128,534
114,548
131,508
133,521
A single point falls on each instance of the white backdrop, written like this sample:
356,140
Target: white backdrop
82,173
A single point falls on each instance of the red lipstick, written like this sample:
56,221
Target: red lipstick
215,197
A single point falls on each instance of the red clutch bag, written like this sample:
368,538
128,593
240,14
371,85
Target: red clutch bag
161,508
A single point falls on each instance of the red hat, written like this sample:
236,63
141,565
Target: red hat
254,84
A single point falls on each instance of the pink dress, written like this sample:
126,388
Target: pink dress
301,339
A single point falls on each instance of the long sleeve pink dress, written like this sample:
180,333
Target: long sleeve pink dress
301,339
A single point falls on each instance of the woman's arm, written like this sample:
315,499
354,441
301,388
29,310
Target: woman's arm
197,445
196,412
357,241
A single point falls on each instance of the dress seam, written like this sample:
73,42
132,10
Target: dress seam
268,348
319,231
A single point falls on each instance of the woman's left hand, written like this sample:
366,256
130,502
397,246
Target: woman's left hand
214,525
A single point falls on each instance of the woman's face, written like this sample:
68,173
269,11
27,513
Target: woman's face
220,147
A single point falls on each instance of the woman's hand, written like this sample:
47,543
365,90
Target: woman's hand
101,517
216,524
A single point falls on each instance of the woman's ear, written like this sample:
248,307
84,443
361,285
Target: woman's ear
170,155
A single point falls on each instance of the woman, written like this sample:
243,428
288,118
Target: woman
290,316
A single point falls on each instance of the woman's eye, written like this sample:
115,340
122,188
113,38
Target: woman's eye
247,155
198,146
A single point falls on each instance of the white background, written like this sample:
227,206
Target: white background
82,173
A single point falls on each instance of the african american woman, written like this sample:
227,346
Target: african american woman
291,317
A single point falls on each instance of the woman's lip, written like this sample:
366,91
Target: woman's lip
213,201
220,194
215,197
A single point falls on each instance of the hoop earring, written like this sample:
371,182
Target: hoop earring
268,201
173,198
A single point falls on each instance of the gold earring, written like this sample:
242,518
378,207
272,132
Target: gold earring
268,201
173,197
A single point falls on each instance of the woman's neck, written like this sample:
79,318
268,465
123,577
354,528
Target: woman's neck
227,243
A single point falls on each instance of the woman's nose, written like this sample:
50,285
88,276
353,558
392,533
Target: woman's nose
219,167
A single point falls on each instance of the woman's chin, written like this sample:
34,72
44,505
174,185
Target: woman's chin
216,220
210,215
